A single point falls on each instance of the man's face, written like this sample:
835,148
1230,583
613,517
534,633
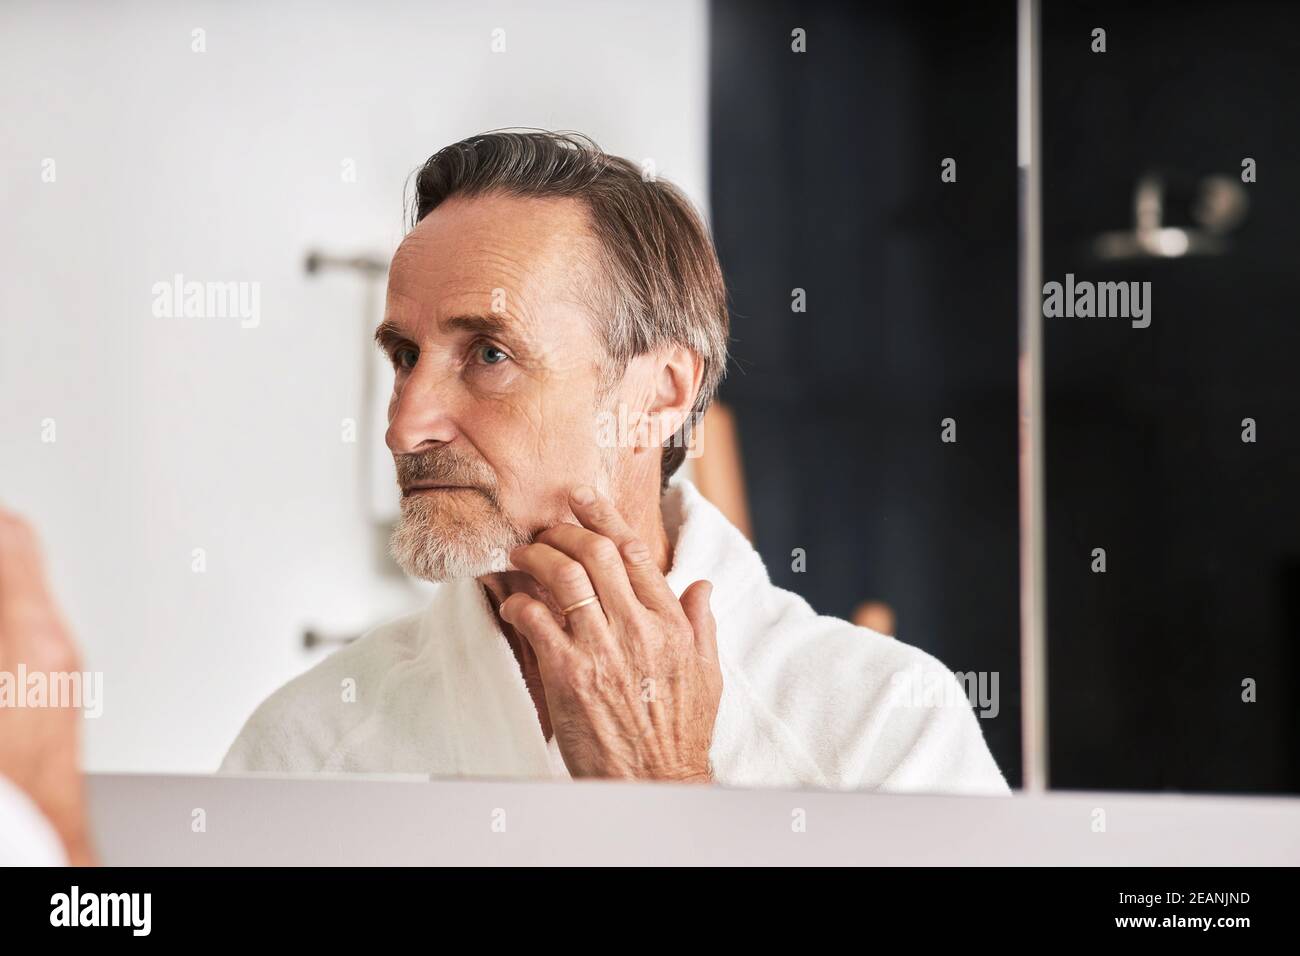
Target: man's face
497,378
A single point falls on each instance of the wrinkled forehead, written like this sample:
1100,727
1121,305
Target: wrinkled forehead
523,257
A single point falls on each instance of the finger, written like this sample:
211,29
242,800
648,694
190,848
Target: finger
28,614
536,623
565,579
597,513
695,602
22,580
603,562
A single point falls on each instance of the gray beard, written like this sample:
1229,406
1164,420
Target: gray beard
434,549
427,551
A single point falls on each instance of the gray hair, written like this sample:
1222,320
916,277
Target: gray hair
663,284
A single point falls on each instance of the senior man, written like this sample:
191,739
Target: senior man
596,619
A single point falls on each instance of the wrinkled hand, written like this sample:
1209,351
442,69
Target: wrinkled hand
632,681
38,745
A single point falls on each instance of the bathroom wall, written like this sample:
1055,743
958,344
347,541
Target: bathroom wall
190,477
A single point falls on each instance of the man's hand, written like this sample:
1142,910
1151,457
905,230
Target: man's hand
38,745
632,680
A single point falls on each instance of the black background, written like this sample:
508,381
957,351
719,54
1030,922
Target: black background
826,176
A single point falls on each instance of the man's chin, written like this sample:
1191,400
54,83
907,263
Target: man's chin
438,554
443,569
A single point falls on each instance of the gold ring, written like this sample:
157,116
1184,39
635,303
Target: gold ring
577,604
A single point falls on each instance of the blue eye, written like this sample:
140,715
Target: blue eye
405,358
492,355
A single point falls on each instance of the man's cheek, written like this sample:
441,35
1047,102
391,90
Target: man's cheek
535,431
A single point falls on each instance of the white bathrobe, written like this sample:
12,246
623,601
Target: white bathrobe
26,837
807,701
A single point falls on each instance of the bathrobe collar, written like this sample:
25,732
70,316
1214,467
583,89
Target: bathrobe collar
488,719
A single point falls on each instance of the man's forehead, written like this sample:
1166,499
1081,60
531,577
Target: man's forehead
498,253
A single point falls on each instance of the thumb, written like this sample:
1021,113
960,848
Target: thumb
695,602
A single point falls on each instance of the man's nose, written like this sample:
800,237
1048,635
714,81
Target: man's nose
419,414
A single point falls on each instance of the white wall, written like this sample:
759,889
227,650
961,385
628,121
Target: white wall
176,434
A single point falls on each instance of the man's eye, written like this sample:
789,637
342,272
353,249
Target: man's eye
405,357
491,355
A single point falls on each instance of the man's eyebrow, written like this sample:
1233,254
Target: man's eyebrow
388,335
481,324
501,327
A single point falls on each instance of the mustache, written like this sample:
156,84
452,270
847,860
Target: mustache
444,467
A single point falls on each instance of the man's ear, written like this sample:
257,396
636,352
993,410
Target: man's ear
676,373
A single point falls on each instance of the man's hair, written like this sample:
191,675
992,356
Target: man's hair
662,281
